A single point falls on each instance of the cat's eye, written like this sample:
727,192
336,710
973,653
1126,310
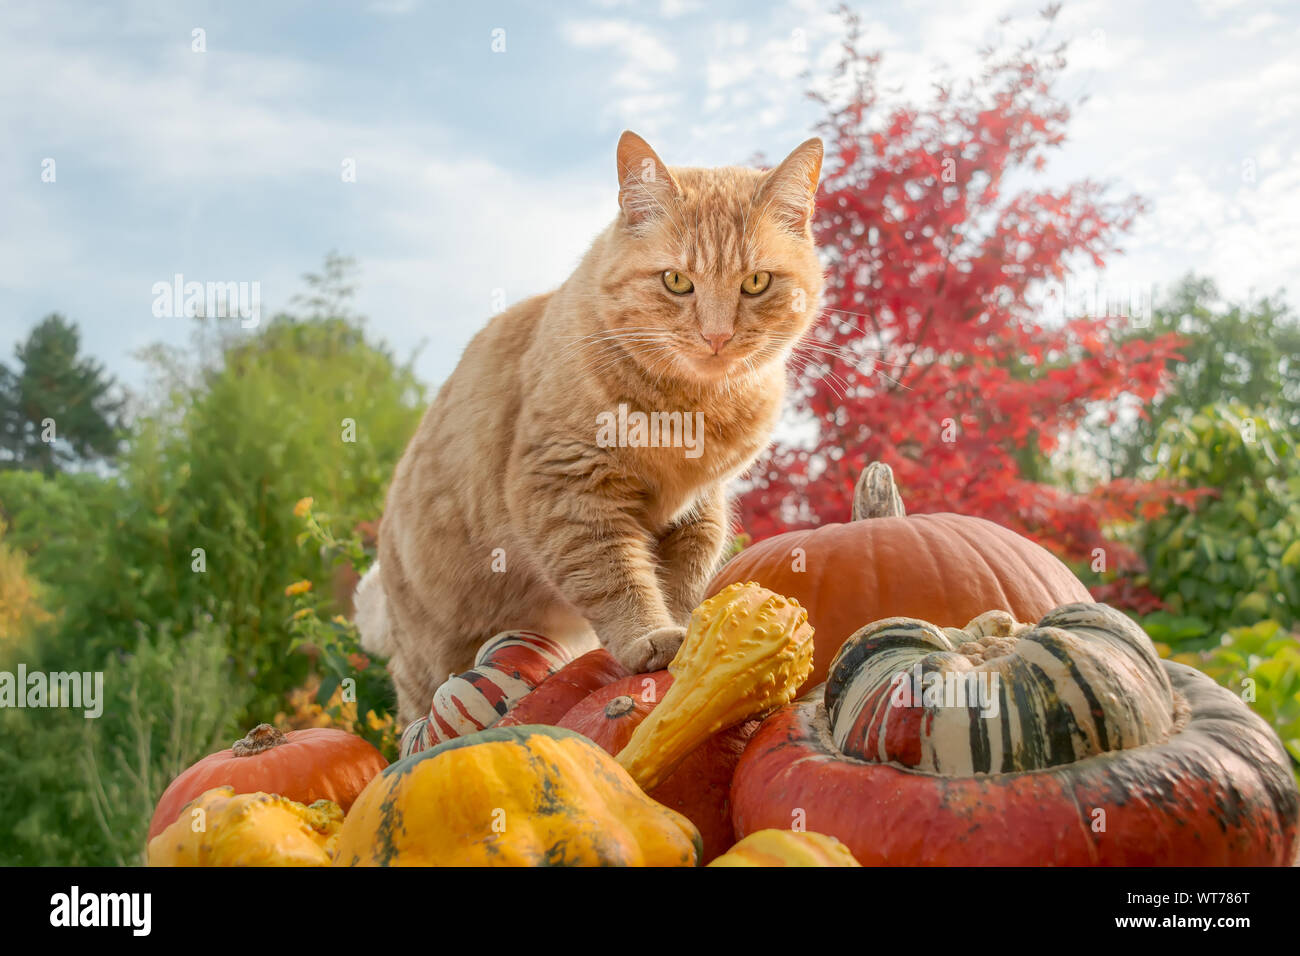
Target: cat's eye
676,283
756,283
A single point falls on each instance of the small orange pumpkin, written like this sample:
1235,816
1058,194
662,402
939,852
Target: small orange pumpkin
319,763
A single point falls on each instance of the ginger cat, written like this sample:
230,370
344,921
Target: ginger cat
534,497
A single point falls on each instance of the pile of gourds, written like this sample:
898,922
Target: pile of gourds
934,727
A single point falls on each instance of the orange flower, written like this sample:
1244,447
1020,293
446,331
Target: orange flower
298,587
303,507
358,661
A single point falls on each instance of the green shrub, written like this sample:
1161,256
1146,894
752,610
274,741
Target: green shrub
81,791
1261,663
1234,559
216,462
355,691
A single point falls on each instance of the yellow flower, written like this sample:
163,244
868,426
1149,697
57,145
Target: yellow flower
299,614
303,507
340,620
298,587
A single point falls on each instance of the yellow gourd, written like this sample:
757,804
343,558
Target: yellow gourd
787,848
746,651
251,829
512,796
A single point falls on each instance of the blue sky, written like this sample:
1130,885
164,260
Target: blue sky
479,171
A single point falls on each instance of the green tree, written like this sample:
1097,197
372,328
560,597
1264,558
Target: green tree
58,408
1245,353
330,292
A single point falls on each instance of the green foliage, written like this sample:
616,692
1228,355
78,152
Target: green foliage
55,388
68,524
305,408
355,691
199,519
80,791
193,532
20,600
1261,663
1248,353
1234,559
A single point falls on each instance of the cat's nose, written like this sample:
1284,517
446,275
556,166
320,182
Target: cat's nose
717,339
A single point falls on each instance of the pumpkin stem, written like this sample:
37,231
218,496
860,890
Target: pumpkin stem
258,740
876,495
619,706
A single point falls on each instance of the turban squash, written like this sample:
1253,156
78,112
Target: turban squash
512,796
319,763
944,568
1087,749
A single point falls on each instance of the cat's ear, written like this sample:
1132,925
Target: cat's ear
645,186
787,194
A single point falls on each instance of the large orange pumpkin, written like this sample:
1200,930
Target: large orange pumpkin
943,568
320,763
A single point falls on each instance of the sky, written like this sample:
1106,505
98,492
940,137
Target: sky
463,153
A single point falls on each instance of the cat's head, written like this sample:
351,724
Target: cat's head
712,273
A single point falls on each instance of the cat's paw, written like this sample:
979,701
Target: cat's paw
651,651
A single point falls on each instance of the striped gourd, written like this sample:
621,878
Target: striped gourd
507,668
1088,750
997,696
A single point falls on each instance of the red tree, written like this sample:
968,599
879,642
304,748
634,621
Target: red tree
929,355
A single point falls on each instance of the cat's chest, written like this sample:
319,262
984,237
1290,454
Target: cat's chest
678,470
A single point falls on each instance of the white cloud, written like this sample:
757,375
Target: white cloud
643,58
450,230
392,8
1255,24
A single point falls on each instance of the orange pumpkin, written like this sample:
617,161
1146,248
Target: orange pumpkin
943,568
320,763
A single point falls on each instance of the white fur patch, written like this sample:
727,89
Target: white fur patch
370,609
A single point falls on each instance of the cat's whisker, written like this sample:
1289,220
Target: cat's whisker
816,364
620,356
610,340
837,385
873,370
845,354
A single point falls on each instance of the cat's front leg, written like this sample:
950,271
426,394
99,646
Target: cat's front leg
690,552
601,560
